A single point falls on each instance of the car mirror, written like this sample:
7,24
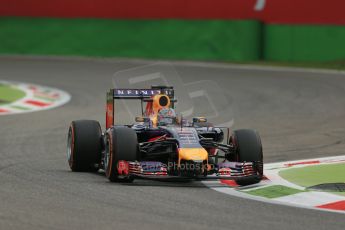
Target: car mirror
142,119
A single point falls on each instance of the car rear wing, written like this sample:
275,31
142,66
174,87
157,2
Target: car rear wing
144,95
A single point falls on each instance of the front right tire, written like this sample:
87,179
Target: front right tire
84,145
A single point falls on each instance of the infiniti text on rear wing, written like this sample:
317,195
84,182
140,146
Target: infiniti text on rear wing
142,94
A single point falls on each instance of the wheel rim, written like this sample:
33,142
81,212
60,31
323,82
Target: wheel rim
69,147
107,154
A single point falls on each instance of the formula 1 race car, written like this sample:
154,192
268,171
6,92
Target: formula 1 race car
159,144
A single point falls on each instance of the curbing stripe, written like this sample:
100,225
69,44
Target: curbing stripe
231,183
340,205
313,199
3,110
300,197
37,98
37,103
48,99
19,107
303,163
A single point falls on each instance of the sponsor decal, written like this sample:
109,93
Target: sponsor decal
260,5
123,168
135,93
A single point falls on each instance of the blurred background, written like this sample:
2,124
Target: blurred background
285,31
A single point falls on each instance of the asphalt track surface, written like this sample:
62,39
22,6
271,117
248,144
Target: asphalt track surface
299,114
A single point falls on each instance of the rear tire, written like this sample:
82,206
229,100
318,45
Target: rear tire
249,149
84,145
121,144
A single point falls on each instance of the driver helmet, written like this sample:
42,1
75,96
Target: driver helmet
166,116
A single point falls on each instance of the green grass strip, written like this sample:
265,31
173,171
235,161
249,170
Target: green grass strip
274,191
9,94
20,107
44,98
316,174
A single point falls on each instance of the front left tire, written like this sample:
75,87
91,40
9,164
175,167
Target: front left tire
248,147
121,145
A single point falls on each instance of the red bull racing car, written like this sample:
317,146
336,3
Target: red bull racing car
159,144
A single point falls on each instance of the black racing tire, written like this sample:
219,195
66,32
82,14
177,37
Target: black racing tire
248,147
84,145
121,144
